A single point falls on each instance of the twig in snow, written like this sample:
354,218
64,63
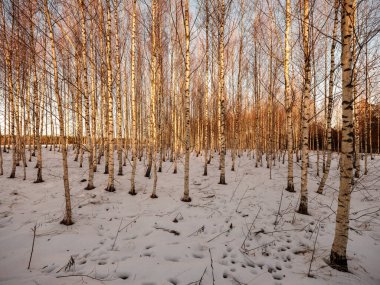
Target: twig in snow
167,230
226,231
366,214
279,208
34,229
68,265
212,267
265,244
117,234
250,228
85,275
295,210
238,282
242,197
312,256
198,231
134,221
233,194
198,282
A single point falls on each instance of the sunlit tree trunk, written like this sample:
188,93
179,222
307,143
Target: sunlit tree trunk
118,96
221,95
134,107
67,220
153,90
303,207
94,104
186,197
86,92
110,184
288,99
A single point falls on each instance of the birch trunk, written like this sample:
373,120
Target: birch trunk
288,99
153,72
134,107
67,220
206,111
110,183
303,207
90,184
338,258
222,138
118,96
186,197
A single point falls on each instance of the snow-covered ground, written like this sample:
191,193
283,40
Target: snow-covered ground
227,233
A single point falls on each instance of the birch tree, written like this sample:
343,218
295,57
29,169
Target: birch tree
338,257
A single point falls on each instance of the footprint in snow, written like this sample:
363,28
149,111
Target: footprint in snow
172,258
198,255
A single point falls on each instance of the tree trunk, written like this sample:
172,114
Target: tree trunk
86,92
303,207
67,220
153,82
134,107
109,99
222,138
186,197
338,258
288,99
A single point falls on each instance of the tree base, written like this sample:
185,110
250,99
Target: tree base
302,210
132,192
66,222
147,173
338,262
205,172
153,196
186,199
89,187
120,173
38,180
290,188
110,188
175,171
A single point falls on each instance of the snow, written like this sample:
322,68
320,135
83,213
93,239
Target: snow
123,239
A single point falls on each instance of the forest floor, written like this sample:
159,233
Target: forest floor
237,233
